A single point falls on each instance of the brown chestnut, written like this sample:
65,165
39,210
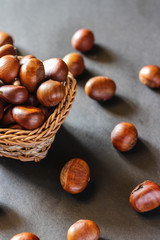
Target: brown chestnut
50,93
83,230
9,68
7,49
46,110
75,63
150,76
8,117
32,74
75,175
28,117
25,236
124,136
24,59
5,38
145,197
83,40
14,94
100,88
32,100
1,83
55,69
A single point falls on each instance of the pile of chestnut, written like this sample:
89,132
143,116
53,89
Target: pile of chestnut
29,88
75,174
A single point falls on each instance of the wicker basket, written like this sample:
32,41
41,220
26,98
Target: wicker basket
33,145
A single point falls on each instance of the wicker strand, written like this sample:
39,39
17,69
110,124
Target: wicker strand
33,145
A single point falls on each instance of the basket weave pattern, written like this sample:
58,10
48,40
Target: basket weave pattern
33,145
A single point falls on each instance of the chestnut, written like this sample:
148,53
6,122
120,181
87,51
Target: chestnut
46,111
31,74
7,49
83,230
145,197
83,40
100,88
32,100
25,236
55,69
50,93
1,83
9,68
75,63
75,175
5,38
24,59
8,117
28,117
124,136
14,94
150,76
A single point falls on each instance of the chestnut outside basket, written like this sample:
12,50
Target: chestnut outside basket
33,145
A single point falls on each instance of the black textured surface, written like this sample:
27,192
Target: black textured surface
127,36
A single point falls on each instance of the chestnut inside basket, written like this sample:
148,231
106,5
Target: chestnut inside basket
33,145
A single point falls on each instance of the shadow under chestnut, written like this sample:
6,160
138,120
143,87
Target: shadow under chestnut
118,105
136,155
101,54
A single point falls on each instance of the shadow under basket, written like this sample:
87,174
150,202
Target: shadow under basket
33,145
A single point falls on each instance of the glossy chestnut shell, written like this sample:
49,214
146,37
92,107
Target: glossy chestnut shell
83,230
50,93
9,68
150,76
8,117
124,136
75,63
100,88
25,236
7,49
75,175
5,38
55,69
145,197
1,109
83,40
28,117
14,94
31,74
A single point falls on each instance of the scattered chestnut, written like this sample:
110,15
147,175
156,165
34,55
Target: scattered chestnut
145,197
8,117
124,136
55,69
9,68
5,38
150,76
31,74
24,59
7,49
25,236
83,230
75,175
14,94
75,63
28,117
50,93
83,40
100,88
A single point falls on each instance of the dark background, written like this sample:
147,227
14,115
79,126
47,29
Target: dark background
127,34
